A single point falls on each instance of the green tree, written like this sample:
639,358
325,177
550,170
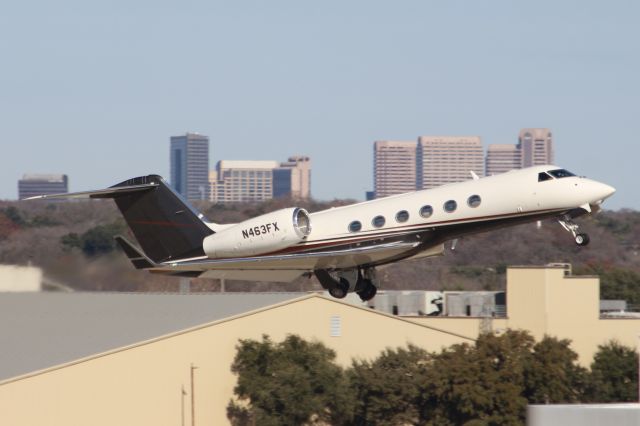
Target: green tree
15,216
464,384
614,374
95,241
71,241
388,389
289,383
100,240
492,381
482,383
7,226
42,221
552,375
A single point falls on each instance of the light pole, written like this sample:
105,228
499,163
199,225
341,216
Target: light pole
193,399
182,395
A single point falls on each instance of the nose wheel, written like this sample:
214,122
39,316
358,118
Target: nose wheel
580,238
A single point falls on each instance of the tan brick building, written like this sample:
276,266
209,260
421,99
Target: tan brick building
448,159
536,147
501,158
394,167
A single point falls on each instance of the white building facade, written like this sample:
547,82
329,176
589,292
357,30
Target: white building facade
447,159
256,181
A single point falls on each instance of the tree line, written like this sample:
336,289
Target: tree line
73,243
489,382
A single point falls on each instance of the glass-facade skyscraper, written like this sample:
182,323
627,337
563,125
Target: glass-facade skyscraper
190,166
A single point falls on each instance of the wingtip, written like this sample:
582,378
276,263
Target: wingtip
35,197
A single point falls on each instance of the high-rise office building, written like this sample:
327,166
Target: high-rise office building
439,160
293,178
536,147
394,167
448,159
238,181
42,184
502,158
190,166
242,181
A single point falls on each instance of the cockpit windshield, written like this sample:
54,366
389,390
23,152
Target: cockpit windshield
560,173
543,176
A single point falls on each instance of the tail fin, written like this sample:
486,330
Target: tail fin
164,224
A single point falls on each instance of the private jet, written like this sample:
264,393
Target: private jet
341,246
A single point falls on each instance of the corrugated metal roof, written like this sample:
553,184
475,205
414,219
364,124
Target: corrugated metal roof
40,330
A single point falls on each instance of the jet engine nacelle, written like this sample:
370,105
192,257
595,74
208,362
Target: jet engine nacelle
263,234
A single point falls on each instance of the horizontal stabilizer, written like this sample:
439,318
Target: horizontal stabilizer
100,193
166,226
135,255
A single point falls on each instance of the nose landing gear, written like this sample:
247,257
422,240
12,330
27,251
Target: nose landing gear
581,239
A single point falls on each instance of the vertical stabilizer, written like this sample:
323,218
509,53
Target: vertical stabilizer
164,224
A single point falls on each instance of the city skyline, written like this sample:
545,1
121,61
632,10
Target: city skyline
432,161
95,89
398,166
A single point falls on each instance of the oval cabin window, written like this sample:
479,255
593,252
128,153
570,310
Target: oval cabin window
474,201
402,216
450,206
378,221
355,226
426,211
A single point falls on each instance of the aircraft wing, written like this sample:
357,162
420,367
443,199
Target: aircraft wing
287,267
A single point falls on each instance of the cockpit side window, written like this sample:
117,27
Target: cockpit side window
543,176
560,173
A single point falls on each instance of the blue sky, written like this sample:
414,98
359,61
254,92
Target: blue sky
95,89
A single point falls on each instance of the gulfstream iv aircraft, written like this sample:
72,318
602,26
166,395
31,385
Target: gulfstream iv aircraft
341,246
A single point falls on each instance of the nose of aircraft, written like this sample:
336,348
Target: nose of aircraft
601,191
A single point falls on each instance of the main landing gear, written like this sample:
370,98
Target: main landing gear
581,239
340,283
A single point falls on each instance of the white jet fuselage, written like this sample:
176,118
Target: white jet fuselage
506,196
341,246
416,224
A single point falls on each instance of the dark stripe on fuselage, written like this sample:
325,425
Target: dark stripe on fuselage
428,235
433,232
